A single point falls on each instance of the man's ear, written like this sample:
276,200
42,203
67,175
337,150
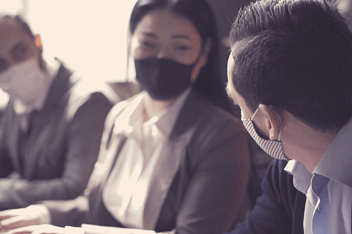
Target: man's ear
273,122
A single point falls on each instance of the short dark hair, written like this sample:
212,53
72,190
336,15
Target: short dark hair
295,56
209,83
22,23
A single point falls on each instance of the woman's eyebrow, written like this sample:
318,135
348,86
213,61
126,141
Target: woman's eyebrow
149,34
181,36
17,46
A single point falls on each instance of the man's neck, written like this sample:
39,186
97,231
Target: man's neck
305,144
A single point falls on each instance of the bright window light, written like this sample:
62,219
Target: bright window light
88,35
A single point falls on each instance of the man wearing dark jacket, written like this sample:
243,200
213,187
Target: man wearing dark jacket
290,71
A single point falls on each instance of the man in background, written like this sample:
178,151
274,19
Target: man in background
290,72
51,128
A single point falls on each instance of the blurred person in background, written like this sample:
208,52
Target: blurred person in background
173,159
51,128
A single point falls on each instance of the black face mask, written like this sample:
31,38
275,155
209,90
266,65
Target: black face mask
163,79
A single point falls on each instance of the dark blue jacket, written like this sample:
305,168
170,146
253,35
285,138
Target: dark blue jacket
280,209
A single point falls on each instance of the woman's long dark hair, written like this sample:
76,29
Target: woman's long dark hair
209,82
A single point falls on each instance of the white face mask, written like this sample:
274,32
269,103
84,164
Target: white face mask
273,148
23,80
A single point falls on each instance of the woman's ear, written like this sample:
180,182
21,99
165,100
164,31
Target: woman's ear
273,122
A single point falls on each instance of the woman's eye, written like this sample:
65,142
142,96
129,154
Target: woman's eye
148,44
182,48
20,53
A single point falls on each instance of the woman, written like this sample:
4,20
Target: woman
171,159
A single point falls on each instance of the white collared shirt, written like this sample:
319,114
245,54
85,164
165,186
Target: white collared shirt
335,168
127,187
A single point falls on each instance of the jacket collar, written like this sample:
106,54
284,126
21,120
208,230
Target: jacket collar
181,134
168,166
62,82
190,113
183,115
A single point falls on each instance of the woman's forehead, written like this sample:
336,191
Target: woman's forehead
168,23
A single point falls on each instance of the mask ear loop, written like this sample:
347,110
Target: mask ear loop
255,112
280,130
251,118
279,139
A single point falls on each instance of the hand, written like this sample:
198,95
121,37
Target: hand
38,229
15,218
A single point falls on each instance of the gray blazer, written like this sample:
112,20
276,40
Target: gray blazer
201,190
55,159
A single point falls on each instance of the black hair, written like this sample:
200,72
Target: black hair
295,56
209,83
21,22
25,27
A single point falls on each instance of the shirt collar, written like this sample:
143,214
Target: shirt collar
301,176
337,160
136,113
305,182
165,121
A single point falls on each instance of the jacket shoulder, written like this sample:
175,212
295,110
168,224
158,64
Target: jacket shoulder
216,124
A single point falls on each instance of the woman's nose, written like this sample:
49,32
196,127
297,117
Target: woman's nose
164,53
